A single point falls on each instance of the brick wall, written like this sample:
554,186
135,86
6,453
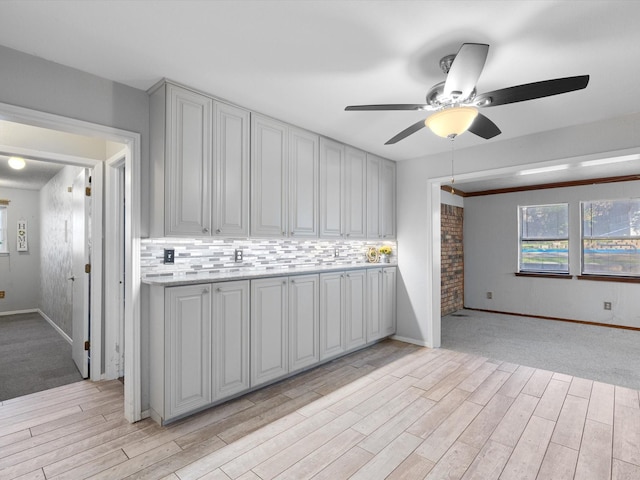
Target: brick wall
452,259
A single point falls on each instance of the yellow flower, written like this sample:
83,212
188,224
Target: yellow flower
385,250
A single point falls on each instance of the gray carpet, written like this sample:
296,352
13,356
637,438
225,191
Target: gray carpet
604,354
33,356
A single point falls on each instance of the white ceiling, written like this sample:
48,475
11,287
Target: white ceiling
33,176
304,61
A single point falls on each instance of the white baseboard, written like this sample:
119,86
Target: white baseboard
420,343
17,312
58,329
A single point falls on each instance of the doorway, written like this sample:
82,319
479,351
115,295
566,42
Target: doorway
131,284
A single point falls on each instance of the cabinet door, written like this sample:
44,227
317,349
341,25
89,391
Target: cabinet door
355,193
355,294
230,302
331,189
231,160
331,315
388,301
187,349
374,304
374,165
188,163
388,200
269,330
304,325
303,183
269,148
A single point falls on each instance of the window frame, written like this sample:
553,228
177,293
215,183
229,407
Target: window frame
584,237
521,238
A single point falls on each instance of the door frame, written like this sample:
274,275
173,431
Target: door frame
132,161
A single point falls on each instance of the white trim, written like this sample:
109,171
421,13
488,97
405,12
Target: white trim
133,385
56,327
413,341
18,312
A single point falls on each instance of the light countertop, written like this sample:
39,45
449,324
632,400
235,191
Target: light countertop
250,273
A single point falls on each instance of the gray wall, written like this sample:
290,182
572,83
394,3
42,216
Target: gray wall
56,256
491,258
38,84
20,271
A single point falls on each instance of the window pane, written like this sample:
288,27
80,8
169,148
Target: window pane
545,221
611,257
611,218
544,256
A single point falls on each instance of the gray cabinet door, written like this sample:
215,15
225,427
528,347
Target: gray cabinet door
304,321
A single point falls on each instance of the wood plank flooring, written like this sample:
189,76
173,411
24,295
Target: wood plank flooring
392,411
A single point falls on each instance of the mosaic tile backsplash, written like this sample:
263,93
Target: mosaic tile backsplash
217,255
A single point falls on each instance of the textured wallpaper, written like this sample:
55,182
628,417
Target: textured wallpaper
56,248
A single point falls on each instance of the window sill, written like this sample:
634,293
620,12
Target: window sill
609,278
564,276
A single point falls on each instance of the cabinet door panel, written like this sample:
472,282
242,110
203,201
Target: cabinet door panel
331,315
331,189
230,338
355,193
231,199
269,330
188,164
388,301
303,183
374,165
188,361
304,326
268,177
374,304
355,307
388,200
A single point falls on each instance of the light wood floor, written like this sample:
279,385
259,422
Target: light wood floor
390,411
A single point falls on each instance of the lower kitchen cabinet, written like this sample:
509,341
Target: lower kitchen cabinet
213,341
269,329
199,346
381,303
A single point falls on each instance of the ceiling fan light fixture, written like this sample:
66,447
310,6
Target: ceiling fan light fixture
16,163
451,122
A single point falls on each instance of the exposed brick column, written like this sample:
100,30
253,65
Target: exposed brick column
452,259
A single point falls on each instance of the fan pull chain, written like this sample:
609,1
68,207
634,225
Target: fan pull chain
452,177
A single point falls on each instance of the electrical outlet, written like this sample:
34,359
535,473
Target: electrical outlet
237,255
1,293
169,256
489,295
607,305
336,252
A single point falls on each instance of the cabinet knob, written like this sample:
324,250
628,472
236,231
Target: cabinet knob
293,233
205,230
348,275
348,234
284,282
205,291
218,289
218,230
293,281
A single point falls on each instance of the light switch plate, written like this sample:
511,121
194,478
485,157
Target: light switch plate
169,256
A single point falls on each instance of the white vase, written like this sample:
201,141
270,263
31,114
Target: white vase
384,258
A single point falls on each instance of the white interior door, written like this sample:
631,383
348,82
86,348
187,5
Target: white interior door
80,234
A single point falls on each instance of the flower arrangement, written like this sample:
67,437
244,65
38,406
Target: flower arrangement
385,250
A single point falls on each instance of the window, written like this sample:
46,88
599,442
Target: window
4,247
544,238
611,237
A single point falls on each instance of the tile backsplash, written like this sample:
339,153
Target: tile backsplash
217,255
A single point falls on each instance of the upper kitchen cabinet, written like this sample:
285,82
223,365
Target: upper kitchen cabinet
332,177
200,164
269,175
303,183
381,198
355,207
230,214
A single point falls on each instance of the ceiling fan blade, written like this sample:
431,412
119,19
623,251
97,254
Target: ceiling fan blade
531,91
391,106
406,132
483,127
465,70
